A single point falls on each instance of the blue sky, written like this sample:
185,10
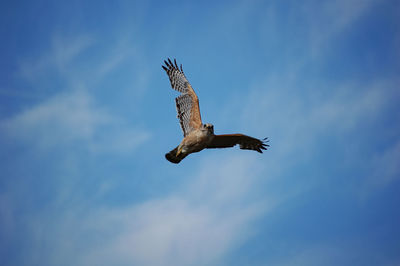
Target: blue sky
87,114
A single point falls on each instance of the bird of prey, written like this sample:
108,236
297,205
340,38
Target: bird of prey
198,136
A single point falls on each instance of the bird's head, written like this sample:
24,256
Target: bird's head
209,128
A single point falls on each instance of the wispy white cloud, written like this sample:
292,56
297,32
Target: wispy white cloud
121,51
197,224
61,53
63,63
387,166
172,231
327,20
65,116
70,117
384,168
299,123
300,118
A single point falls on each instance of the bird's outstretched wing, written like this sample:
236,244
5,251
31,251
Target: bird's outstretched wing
245,142
187,104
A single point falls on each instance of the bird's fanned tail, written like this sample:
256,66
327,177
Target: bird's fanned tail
173,157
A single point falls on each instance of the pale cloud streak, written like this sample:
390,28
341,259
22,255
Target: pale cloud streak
61,53
75,62
384,168
332,19
197,224
70,117
297,123
72,114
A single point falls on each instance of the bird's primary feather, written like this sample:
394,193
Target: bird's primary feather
187,104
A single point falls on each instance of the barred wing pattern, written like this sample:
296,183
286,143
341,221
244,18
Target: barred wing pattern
187,104
245,142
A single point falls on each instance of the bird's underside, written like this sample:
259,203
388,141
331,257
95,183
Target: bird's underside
199,136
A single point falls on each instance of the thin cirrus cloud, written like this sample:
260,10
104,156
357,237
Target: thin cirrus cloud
302,124
60,55
385,170
333,18
70,117
182,228
73,114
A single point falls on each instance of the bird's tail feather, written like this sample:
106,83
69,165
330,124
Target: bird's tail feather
173,158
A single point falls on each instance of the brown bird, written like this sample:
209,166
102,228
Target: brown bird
198,136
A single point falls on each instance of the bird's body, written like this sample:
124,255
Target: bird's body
198,136
195,141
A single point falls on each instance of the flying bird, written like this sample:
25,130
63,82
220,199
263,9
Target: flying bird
196,135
